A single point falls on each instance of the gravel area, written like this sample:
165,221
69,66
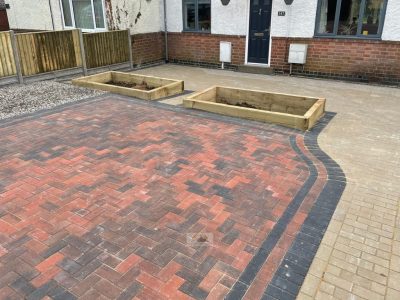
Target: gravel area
21,99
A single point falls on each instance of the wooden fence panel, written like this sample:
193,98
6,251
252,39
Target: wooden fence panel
42,52
7,62
106,48
77,48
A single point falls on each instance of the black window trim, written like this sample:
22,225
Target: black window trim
197,29
359,35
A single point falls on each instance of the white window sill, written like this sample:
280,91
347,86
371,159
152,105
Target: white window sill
87,30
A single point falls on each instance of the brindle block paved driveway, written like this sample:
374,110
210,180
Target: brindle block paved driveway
118,198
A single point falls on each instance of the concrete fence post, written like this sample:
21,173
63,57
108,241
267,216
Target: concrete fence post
130,48
16,56
83,53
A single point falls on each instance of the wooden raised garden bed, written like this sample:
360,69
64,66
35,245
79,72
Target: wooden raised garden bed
293,111
133,85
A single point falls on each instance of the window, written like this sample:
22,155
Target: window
66,9
85,14
350,18
197,15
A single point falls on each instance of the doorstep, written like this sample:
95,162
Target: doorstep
256,69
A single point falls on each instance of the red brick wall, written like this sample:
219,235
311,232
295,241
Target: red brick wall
204,48
363,59
148,47
351,58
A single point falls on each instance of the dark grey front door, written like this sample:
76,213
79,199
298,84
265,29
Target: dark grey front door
259,33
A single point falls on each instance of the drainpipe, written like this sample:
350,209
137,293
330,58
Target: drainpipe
289,26
51,14
165,31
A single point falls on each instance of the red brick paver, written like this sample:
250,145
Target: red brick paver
99,200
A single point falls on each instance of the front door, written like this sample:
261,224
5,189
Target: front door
259,31
3,19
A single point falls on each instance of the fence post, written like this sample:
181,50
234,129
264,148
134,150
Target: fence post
130,48
83,54
16,56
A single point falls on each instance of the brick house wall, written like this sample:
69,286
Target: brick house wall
148,48
356,59
198,48
185,47
367,60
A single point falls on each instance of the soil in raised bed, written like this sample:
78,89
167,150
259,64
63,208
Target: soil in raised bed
247,105
240,104
142,86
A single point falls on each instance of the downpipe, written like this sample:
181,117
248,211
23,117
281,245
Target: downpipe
52,15
165,31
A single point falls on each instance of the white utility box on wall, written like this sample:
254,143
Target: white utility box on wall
297,54
225,52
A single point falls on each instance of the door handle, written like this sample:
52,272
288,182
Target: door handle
260,11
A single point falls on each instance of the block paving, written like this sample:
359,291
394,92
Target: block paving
363,138
120,199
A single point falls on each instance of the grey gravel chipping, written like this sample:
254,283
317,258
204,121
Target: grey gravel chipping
26,98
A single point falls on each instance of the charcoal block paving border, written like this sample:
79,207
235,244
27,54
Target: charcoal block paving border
303,250
246,278
289,276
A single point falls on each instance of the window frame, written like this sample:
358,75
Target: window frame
196,13
95,29
359,34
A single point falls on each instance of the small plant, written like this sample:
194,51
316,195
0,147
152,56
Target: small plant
349,29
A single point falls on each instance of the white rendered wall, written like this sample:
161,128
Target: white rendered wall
28,14
151,19
231,19
391,28
299,20
174,15
35,14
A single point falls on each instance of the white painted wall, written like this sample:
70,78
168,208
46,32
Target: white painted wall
391,28
28,14
231,19
299,20
151,19
174,15
35,14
